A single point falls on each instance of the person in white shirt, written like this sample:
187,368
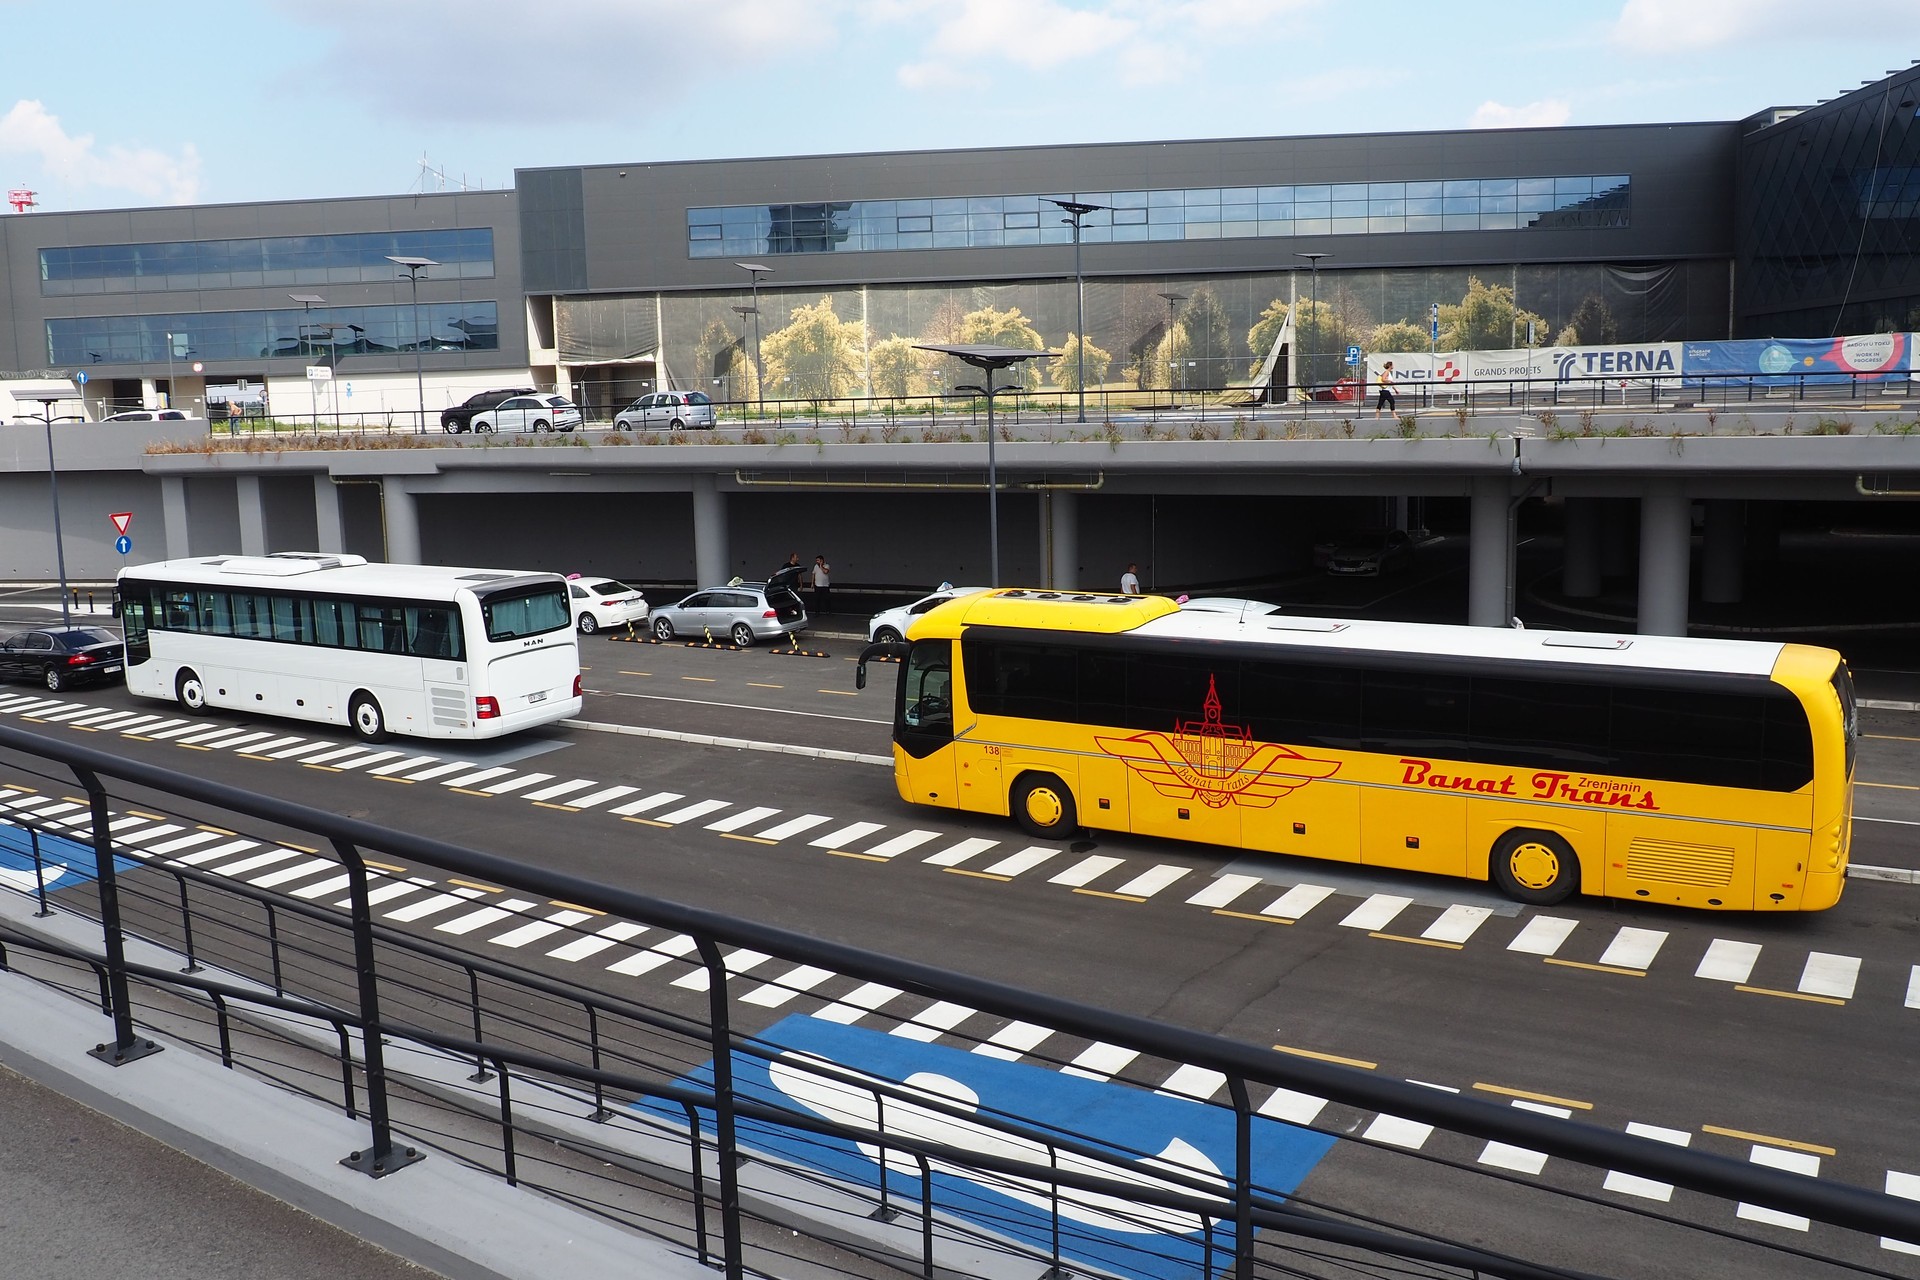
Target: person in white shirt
822,585
1130,580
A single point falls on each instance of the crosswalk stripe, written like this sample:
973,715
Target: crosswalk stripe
787,986
741,961
361,762
1377,912
12,700
99,717
1022,862
1189,1081
68,712
149,725
299,871
1913,987
1457,923
478,775
261,748
295,751
1501,1155
653,957
1012,1040
959,853
322,888
1086,871
244,740
931,1022
439,771
267,858
216,853
1293,1107
145,834
123,721
1297,901
186,842
1633,1184
214,736
491,914
399,766
507,786
1153,880
745,818
186,726
559,789
1793,1162
1633,948
793,826
1100,1061
339,753
602,796
905,842
1401,1132
858,1003
1728,961
689,812
845,835
1543,935
1907,1187
580,948
432,904
1223,890
387,892
538,929
1830,975
645,803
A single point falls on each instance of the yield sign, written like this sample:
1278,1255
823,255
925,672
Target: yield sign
121,519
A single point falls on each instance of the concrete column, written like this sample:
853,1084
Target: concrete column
1617,516
401,516
1723,554
710,553
1060,510
1399,514
1580,566
1666,539
330,530
173,511
150,393
253,516
1487,561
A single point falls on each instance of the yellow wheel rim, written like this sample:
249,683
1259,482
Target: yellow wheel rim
1044,807
1534,865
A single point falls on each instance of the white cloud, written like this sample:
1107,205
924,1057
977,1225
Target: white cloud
75,161
1687,26
1544,114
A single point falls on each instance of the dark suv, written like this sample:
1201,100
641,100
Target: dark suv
460,417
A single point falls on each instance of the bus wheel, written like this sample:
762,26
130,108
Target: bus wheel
364,714
1535,867
189,692
1044,806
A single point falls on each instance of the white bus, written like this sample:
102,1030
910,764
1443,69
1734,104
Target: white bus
385,648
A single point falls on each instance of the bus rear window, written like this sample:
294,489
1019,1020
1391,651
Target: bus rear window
529,612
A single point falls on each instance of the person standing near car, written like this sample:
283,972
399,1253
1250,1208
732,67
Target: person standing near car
1386,390
1130,580
792,562
822,585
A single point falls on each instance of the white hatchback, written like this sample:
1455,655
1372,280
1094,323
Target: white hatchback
605,602
890,625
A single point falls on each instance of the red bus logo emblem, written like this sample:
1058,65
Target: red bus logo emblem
1215,762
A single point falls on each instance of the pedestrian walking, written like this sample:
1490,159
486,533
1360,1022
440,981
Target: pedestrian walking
1130,580
1386,390
822,585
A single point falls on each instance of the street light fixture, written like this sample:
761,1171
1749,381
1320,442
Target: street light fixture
46,417
413,267
306,301
1313,263
1173,311
989,360
756,270
1076,210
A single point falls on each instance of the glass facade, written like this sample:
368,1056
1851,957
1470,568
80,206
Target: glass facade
1197,213
325,335
278,260
1829,218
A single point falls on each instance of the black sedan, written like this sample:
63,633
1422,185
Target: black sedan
62,657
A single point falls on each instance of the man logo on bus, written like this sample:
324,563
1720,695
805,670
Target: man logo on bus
1216,762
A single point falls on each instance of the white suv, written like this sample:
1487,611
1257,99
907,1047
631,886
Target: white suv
670,409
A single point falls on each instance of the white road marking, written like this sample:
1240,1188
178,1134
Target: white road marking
439,771
1223,890
187,842
1013,1040
1830,975
1728,961
559,789
1633,948
1189,1081
859,1002
785,987
601,796
1793,1162
793,826
1152,881
653,957
581,948
1376,912
1543,935
741,961
1519,1159
1297,901
1100,1061
506,786
401,766
645,803
1294,1108
959,853
1086,871
1022,862
927,1025
689,812
304,748
432,905
538,929
1457,923
462,925
1907,1187
216,853
905,842
1632,1184
299,871
469,779
845,835
745,818
267,858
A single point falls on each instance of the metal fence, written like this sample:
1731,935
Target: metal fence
731,1126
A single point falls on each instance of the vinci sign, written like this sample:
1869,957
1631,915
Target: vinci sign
1636,364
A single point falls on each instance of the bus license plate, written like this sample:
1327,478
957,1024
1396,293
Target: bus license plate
537,697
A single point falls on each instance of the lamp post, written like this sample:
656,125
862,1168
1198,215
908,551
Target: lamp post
169,371
1076,210
306,301
756,270
413,267
53,477
1173,312
1313,263
743,313
989,360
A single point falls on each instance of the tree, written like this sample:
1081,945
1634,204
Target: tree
896,367
1592,323
1206,338
1400,335
1486,319
989,327
817,356
1065,367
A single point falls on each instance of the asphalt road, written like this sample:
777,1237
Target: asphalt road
1622,1021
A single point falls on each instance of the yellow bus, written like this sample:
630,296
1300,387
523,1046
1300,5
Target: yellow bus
1705,773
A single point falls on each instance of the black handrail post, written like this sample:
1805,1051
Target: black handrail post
39,875
600,1113
381,1158
696,1169
510,1166
479,1075
186,928
726,1140
886,1212
126,1046
1056,1271
1242,1179
926,1216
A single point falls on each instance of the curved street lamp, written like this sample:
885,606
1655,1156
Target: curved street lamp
413,267
756,270
1076,210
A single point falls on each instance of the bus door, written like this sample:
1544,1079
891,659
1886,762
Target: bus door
923,727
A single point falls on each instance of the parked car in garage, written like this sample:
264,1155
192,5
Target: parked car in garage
599,603
1370,553
890,625
670,410
459,417
742,612
62,657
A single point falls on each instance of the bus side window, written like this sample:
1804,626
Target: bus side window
429,628
180,614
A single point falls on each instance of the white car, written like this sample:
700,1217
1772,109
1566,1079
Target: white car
889,626
537,412
605,602
670,409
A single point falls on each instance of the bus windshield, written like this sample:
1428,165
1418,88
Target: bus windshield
526,611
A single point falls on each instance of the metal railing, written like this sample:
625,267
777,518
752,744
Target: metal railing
412,1035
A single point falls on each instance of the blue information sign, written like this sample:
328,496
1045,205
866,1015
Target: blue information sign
123,544
81,377
1353,355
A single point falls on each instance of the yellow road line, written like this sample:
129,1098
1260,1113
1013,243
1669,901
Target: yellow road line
1418,942
702,679
1791,995
564,808
1598,968
1884,786
574,906
1788,1143
21,786
1327,1057
755,684
142,813
219,831
137,737
988,875
83,728
1891,737
191,747
1251,915
465,791
1102,893
735,835
248,755
838,853
324,768
388,777
386,866
472,884
645,822
298,848
636,673
1548,1098
839,693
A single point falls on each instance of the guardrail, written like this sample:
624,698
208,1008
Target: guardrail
417,1032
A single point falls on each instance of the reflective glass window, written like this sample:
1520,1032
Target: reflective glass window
262,262
1349,191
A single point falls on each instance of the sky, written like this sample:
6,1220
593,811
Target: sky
115,103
